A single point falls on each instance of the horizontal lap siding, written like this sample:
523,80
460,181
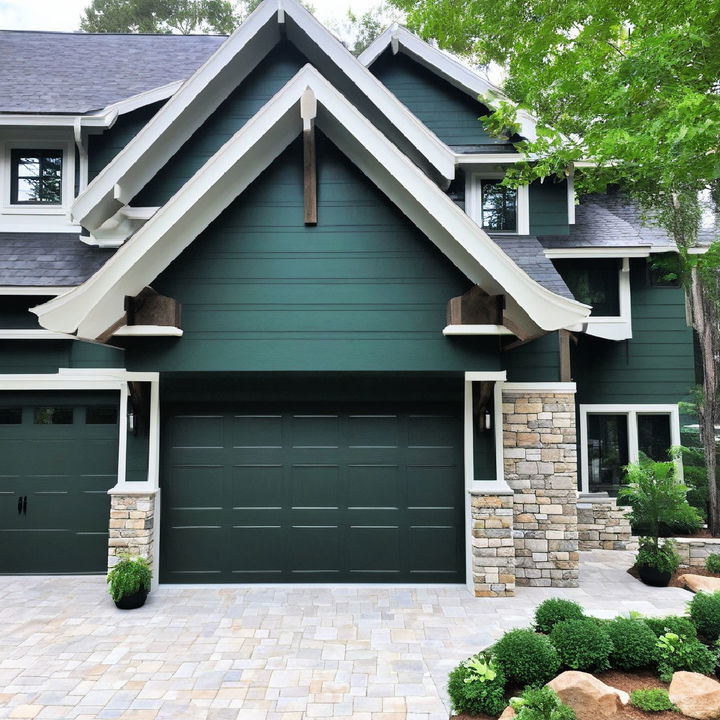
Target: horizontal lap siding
548,208
655,366
450,113
363,290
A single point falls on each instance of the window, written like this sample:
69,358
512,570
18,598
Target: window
10,416
593,281
53,416
36,177
498,207
613,436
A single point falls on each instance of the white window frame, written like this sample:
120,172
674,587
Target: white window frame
28,217
473,201
631,412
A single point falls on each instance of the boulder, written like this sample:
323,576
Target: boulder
700,583
590,698
508,713
696,695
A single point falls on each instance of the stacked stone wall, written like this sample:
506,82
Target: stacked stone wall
602,525
132,527
540,459
493,551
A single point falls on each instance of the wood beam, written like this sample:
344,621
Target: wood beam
565,366
310,176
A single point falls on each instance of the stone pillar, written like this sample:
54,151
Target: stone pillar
540,459
132,527
602,525
493,552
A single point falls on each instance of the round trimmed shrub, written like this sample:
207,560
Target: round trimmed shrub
477,686
712,563
582,645
705,614
554,610
634,644
677,624
651,700
527,659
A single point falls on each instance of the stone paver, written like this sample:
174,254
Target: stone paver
266,652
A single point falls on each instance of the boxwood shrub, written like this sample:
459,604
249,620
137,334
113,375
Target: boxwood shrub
705,614
582,645
541,704
672,623
634,644
555,610
651,700
527,659
477,686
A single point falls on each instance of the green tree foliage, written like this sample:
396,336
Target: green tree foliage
161,16
358,31
632,87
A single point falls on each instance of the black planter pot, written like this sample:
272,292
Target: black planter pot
654,577
130,602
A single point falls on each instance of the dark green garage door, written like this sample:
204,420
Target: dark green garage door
358,494
58,458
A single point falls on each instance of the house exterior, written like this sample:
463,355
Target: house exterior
266,315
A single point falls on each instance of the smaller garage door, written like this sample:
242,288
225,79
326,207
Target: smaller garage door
58,458
356,493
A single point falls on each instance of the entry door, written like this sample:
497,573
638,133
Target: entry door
58,458
362,493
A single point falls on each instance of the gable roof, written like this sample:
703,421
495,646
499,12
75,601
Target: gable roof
98,303
90,72
399,39
200,95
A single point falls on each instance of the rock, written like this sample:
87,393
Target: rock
696,695
700,583
508,713
590,698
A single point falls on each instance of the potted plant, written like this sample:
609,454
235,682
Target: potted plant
655,497
129,582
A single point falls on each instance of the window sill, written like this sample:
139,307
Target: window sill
34,210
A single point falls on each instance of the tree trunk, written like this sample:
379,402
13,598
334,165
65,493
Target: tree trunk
705,321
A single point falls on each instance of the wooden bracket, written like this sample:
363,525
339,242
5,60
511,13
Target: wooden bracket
151,308
475,307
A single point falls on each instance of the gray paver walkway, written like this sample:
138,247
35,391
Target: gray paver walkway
266,653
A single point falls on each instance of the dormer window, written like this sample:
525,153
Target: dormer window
498,207
36,177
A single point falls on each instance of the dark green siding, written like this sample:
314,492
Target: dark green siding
103,148
363,290
15,311
655,366
280,65
46,356
548,208
536,361
450,113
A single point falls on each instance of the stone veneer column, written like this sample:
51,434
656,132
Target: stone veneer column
540,459
603,525
493,551
132,527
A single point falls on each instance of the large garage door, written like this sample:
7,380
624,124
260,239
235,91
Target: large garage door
358,494
58,458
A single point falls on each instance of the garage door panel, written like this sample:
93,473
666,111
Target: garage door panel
314,431
197,486
373,486
198,431
373,431
257,431
315,549
315,486
432,486
257,549
258,486
374,549
433,549
11,452
432,431
192,550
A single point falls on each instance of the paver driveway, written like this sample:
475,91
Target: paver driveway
287,652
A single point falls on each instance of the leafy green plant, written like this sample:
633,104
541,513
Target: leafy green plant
128,576
705,614
477,686
526,657
679,653
554,610
651,700
634,644
663,558
582,645
712,563
541,704
672,623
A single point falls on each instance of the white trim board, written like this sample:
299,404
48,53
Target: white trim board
631,411
98,303
400,39
476,330
38,290
473,200
597,252
201,94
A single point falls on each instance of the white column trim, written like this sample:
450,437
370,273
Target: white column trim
122,435
544,387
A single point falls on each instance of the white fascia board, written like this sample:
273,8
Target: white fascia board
142,99
33,334
491,158
98,303
148,331
476,330
200,96
34,290
443,64
37,120
597,252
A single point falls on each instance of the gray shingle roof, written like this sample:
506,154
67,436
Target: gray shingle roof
47,72
47,259
527,253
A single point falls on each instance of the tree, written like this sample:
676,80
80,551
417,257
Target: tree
631,86
160,16
357,32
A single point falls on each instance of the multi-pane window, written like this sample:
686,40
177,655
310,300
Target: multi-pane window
36,177
498,207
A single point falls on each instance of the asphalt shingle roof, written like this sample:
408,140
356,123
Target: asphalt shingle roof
47,259
77,73
528,254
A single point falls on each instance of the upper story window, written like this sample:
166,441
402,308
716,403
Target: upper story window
36,177
594,281
498,207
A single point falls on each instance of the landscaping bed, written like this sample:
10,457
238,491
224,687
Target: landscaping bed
682,570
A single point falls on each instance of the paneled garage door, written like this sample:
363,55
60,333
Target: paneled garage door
312,494
58,458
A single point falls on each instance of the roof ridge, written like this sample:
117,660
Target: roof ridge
81,33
